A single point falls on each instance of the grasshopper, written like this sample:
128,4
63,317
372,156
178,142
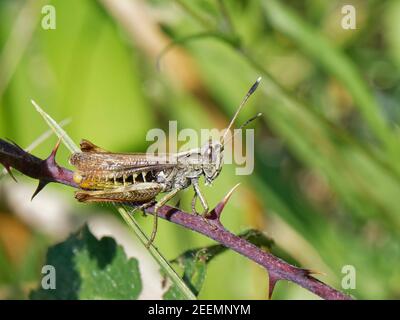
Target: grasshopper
105,176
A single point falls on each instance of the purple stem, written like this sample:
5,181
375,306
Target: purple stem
11,155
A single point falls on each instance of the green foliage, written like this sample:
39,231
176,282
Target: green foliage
87,268
194,265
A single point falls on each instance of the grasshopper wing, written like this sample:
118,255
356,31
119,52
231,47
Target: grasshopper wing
97,161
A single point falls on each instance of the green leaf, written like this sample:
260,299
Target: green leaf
194,262
87,268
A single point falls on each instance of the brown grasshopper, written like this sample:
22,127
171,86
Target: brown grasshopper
138,178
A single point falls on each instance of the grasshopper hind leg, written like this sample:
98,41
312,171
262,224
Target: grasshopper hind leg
142,194
157,206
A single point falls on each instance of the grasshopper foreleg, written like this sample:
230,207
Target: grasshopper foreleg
194,201
203,200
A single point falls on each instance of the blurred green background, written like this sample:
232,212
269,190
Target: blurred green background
327,167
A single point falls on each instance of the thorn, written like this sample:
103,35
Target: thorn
309,272
40,187
54,152
178,203
52,156
272,282
10,173
220,206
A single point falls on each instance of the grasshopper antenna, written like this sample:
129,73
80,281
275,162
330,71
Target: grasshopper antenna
243,125
250,120
247,96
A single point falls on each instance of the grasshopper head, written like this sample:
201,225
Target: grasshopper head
212,154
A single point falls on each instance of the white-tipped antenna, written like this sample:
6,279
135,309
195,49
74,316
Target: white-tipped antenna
248,94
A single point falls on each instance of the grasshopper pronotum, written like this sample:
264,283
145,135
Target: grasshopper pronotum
138,178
